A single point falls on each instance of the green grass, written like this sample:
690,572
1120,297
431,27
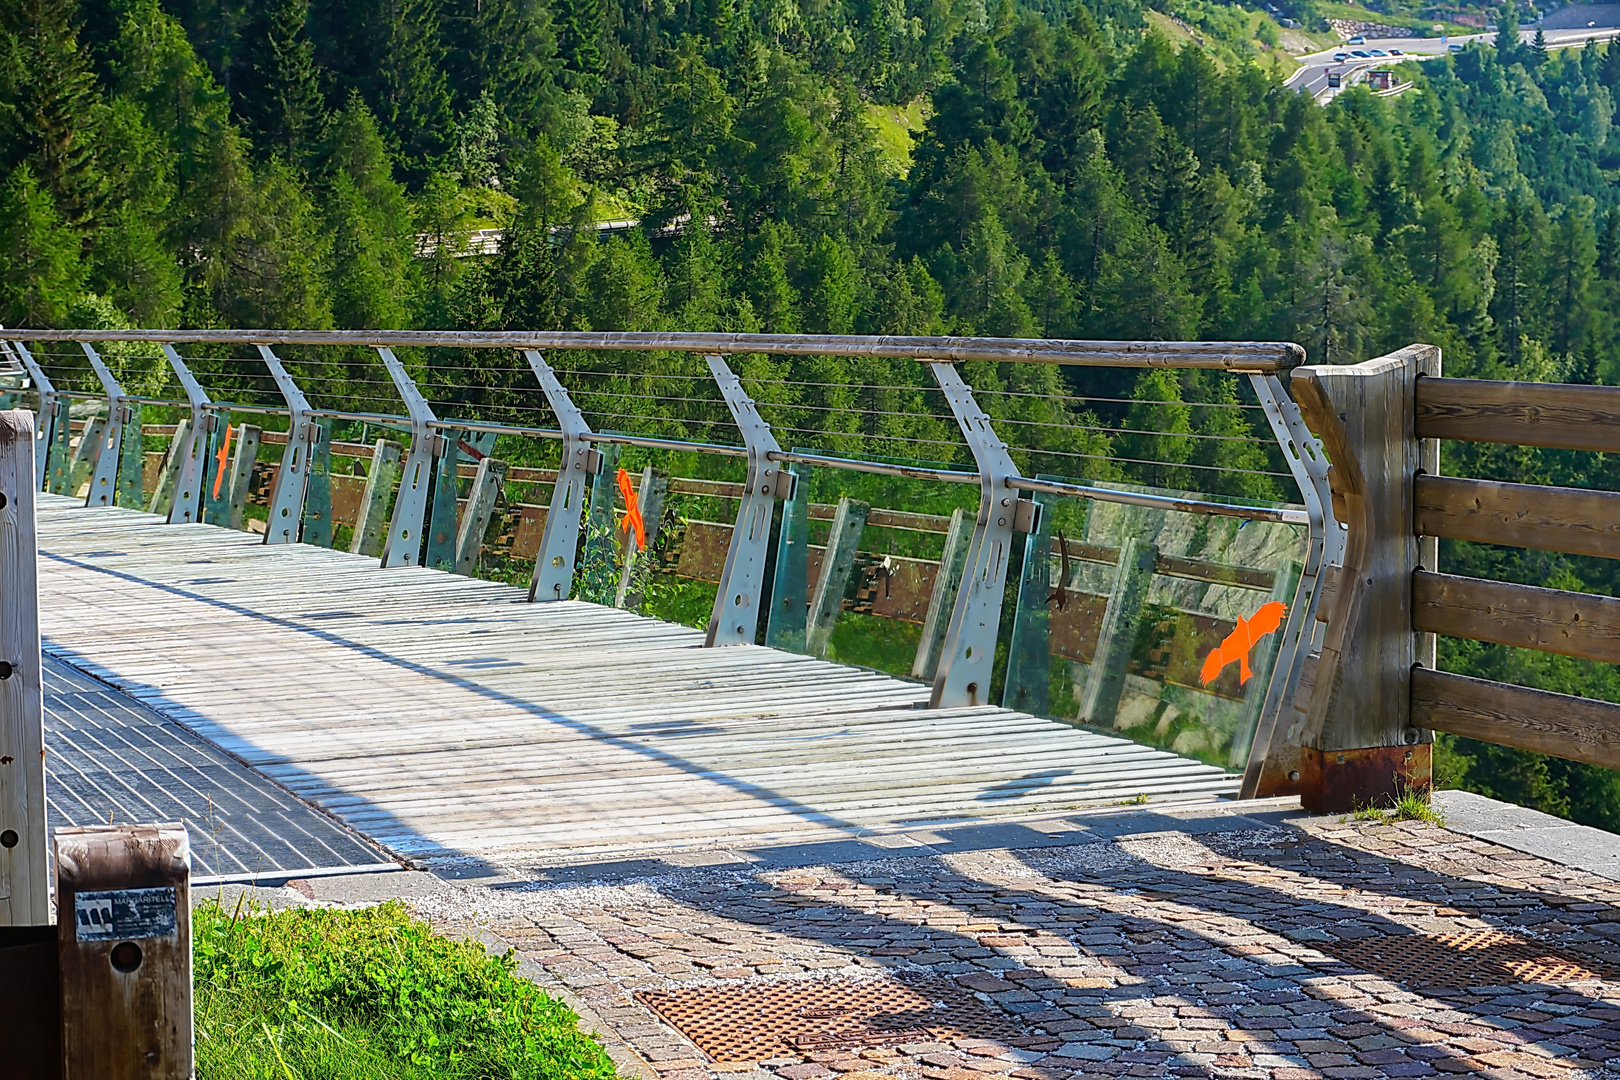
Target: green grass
897,128
368,994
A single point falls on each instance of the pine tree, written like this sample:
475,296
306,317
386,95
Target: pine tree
49,104
506,49
40,269
1154,448
1507,34
278,89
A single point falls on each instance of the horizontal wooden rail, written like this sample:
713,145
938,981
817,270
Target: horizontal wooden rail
1561,416
1526,616
1572,520
1260,356
1578,729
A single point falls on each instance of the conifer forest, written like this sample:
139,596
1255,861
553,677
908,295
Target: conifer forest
1023,168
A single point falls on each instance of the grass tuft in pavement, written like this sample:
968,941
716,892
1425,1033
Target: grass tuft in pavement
358,995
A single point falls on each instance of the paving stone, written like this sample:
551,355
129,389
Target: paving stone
1150,965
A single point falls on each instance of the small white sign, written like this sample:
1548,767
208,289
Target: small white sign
124,914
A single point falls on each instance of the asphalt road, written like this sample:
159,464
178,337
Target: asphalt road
1312,76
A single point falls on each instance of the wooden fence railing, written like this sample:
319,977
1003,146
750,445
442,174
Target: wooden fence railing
1371,695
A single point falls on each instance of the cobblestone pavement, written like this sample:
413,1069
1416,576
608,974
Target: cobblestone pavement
1155,955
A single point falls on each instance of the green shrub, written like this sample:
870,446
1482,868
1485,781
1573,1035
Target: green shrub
355,995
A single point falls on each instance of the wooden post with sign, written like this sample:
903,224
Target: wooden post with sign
124,943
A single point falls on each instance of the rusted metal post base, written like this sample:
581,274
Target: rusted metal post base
1280,775
1343,781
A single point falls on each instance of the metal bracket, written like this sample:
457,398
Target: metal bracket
554,566
970,643
404,540
44,443
735,618
1324,545
1026,515
104,480
287,501
188,490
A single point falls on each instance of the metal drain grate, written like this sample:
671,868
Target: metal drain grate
1469,958
749,1022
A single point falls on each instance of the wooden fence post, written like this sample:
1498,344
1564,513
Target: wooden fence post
952,564
84,454
371,522
240,478
24,885
650,501
169,477
1116,638
837,562
1357,744
486,488
124,942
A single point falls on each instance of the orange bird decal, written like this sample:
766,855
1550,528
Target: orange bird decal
1238,643
632,511
225,448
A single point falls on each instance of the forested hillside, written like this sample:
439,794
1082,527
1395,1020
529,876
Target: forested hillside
909,166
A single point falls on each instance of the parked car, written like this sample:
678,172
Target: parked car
1455,48
1376,52
1359,39
1396,52
1362,53
1340,57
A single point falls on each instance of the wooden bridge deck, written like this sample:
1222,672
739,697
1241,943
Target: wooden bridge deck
447,718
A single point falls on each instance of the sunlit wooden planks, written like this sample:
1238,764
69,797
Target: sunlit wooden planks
444,716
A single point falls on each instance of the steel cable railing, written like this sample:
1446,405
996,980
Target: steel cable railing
671,392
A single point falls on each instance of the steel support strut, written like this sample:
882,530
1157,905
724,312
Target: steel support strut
292,479
404,539
44,429
969,651
188,489
735,619
104,481
1324,545
554,566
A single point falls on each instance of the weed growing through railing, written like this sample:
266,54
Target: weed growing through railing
357,995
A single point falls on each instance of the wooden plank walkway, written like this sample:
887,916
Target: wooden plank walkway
447,718
109,760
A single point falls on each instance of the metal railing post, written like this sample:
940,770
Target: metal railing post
1323,545
287,500
188,491
404,541
50,414
554,566
104,481
969,651
735,618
